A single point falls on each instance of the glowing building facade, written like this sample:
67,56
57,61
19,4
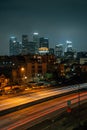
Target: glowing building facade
69,47
43,50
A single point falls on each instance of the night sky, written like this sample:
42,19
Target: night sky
59,20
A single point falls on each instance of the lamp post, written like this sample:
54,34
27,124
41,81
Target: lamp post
22,69
22,72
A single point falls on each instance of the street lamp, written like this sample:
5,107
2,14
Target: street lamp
22,69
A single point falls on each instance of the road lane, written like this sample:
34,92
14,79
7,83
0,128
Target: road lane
25,98
37,113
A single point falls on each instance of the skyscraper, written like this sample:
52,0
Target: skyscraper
25,44
68,46
24,39
32,49
36,41
69,51
59,50
44,42
14,46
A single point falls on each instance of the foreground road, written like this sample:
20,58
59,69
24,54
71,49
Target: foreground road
29,97
23,119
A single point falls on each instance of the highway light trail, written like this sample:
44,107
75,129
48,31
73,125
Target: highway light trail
22,99
38,113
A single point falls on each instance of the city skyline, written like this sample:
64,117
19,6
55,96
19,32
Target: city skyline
59,20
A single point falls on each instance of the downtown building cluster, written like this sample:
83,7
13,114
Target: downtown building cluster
39,45
34,60
36,46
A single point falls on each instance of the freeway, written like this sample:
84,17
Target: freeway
26,118
29,97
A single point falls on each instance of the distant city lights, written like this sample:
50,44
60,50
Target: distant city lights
68,41
35,33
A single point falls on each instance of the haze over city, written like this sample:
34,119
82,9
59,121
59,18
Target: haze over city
59,20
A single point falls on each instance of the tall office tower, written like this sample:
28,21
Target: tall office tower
25,44
14,46
69,51
51,51
32,49
59,50
44,42
68,46
36,41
